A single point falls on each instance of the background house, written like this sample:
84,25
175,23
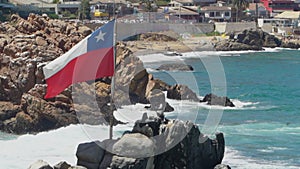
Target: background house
258,10
217,12
277,6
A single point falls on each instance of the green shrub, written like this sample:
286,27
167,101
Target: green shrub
162,3
53,16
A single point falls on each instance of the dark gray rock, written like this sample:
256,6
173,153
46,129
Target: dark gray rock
183,149
40,164
128,163
222,166
229,45
168,108
290,45
175,67
181,92
106,161
248,40
176,145
153,122
62,165
90,154
212,99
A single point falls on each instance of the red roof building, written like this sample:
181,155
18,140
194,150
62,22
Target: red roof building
280,5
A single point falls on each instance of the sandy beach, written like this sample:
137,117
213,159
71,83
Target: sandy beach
193,43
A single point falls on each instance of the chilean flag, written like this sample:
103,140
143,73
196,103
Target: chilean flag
91,58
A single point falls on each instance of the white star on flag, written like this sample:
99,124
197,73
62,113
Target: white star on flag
100,36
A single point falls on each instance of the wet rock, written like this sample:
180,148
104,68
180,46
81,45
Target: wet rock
175,67
40,164
173,144
212,99
90,154
128,163
134,145
62,165
222,166
78,167
248,40
290,45
181,92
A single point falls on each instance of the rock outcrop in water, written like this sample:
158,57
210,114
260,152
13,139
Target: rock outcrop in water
155,143
213,99
175,67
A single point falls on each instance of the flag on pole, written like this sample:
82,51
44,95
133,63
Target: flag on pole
91,58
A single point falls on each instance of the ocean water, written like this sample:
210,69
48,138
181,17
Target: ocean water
262,131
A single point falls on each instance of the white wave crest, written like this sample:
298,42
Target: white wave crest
236,160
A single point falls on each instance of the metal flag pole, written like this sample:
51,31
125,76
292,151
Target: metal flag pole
112,85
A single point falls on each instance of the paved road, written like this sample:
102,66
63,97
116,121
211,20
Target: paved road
39,3
27,2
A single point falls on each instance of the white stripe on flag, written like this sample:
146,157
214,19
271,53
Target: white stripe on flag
56,65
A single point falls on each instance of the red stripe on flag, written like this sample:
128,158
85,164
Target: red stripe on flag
89,66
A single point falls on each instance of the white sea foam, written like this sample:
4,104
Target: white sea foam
60,145
132,113
151,70
53,146
160,57
236,160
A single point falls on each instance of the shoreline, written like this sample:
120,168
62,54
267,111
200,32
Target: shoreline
243,41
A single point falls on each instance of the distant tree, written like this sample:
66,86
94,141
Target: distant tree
240,5
84,11
149,5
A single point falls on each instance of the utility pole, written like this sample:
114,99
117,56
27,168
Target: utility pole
179,13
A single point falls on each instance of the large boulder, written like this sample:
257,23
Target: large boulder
183,149
160,143
134,145
90,154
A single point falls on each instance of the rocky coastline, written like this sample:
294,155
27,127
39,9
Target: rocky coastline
27,45
253,40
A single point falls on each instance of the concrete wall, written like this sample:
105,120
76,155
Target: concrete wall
125,30
221,27
234,26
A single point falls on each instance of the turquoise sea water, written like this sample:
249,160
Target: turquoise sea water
262,132
268,131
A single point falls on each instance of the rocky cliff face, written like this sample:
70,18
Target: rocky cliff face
25,47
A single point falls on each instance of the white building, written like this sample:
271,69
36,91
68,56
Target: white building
217,12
